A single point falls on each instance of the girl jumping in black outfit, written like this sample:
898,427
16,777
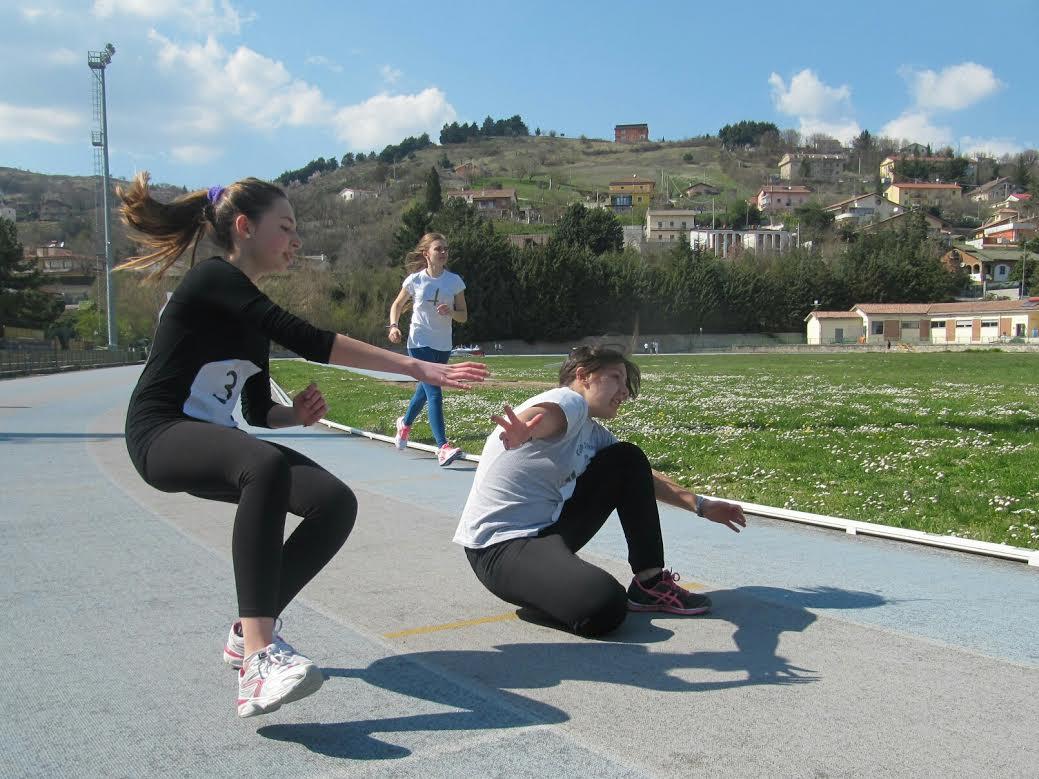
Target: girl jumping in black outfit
210,349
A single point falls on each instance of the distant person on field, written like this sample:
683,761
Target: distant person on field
438,298
549,478
211,348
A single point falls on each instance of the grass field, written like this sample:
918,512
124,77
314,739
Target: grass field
938,442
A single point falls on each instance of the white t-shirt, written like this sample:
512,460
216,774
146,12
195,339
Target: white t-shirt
428,328
518,492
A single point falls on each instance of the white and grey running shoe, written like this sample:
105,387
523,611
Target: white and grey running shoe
274,676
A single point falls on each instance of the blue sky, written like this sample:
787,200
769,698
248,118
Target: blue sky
208,91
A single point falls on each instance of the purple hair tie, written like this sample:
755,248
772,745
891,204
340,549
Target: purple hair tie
214,194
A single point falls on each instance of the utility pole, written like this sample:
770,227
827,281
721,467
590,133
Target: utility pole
97,61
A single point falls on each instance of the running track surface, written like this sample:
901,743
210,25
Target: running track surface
826,655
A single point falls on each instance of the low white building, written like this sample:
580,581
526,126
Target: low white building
834,327
8,213
981,322
727,243
356,193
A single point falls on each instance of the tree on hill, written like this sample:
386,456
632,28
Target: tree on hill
22,302
434,196
897,266
596,229
745,133
417,218
813,220
514,126
395,153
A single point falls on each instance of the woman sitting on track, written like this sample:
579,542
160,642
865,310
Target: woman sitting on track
549,477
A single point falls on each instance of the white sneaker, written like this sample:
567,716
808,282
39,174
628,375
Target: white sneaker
448,453
274,676
403,431
234,647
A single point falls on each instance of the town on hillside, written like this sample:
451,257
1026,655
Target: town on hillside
750,190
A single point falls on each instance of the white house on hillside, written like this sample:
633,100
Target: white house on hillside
864,208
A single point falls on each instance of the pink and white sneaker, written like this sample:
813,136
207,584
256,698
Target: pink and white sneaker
667,596
234,647
274,676
400,440
448,453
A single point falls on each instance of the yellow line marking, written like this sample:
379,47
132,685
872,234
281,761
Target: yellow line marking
463,623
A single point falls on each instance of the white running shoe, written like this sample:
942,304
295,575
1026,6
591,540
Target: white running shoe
274,676
234,647
403,431
448,453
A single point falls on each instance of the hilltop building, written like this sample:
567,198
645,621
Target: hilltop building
630,133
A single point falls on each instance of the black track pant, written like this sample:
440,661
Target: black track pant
544,573
266,480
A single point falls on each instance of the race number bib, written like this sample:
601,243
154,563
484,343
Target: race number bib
216,389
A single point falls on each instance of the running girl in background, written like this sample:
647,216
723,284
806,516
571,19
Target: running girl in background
439,299
549,478
211,347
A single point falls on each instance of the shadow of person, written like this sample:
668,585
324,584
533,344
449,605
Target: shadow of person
478,685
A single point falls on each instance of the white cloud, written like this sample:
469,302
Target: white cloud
917,126
210,15
325,62
51,125
390,75
65,57
818,107
195,154
808,96
953,88
386,119
993,147
242,87
844,131
39,13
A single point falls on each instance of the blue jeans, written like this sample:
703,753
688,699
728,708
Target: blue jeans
428,393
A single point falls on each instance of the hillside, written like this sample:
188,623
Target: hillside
548,173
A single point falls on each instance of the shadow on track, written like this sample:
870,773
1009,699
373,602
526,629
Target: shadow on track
486,678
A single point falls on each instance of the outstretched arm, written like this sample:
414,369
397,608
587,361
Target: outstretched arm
358,354
544,420
721,511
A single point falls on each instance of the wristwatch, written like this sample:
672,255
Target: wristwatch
698,505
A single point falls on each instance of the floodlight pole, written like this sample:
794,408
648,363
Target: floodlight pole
98,61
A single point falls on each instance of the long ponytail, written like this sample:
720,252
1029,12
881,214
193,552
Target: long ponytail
169,229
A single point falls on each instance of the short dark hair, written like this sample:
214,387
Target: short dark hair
592,358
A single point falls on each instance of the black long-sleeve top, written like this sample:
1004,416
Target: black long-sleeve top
211,345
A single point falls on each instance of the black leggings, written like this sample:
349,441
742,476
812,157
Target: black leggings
544,573
266,480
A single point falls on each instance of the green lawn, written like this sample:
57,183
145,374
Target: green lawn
938,442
